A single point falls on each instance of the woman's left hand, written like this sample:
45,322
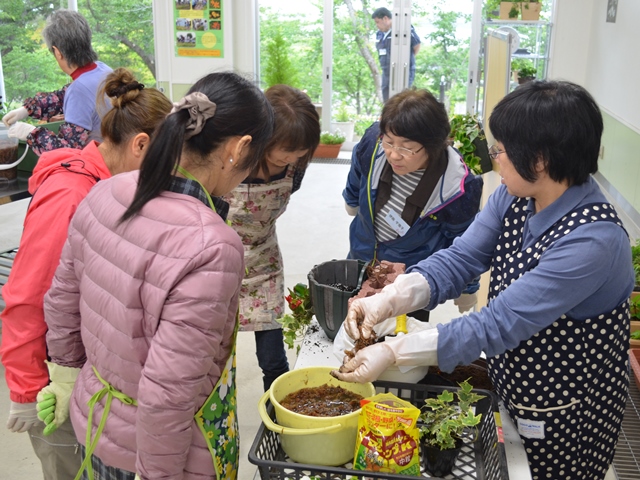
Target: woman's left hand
367,365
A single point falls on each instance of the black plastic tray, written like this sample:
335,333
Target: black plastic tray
482,458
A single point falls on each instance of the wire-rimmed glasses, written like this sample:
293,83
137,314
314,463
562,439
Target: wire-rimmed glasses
403,152
494,151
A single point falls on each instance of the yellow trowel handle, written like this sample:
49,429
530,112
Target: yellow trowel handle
401,324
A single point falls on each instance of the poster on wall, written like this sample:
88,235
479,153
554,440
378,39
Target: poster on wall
198,28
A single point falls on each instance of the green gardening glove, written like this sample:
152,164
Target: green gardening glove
53,400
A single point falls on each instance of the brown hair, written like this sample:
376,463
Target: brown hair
297,124
136,109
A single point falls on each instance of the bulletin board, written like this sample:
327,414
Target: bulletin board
496,74
198,28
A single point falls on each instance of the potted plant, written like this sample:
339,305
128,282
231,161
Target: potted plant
530,10
469,139
295,324
509,10
526,70
443,424
330,144
342,121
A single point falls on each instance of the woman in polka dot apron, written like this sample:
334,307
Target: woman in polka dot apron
556,327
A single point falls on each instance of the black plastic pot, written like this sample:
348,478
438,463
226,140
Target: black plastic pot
330,304
440,462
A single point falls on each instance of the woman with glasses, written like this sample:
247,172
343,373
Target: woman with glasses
411,194
556,328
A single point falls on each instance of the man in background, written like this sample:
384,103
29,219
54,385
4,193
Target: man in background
382,17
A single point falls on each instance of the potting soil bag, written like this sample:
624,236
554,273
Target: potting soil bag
387,439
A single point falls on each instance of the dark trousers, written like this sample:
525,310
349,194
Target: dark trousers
271,354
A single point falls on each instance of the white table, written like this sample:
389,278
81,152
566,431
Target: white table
317,351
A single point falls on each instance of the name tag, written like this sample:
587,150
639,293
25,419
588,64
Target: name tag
530,428
382,51
395,221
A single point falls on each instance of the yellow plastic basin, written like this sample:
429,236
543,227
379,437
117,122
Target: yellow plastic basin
313,440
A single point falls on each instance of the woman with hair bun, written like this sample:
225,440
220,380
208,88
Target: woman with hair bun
60,180
144,302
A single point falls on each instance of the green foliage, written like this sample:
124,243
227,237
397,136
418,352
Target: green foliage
342,114
635,257
295,324
444,421
335,138
464,130
515,10
279,69
443,55
525,68
636,335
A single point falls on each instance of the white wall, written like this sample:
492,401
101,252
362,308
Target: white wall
601,56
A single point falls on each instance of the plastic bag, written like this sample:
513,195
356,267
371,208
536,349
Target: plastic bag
387,439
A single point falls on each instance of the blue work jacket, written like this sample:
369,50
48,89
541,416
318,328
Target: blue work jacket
447,214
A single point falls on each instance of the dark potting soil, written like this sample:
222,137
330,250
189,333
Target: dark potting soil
342,288
9,155
477,376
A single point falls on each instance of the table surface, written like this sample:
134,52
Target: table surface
317,351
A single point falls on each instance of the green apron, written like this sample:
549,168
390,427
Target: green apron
217,420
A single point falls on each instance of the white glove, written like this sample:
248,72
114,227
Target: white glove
413,349
15,116
466,302
53,400
352,211
137,477
367,365
407,293
21,130
22,417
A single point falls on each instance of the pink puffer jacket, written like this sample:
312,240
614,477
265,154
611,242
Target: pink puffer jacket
151,303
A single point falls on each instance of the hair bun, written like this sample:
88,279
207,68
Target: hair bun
124,89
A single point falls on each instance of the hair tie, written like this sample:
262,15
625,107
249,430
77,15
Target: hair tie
123,89
200,109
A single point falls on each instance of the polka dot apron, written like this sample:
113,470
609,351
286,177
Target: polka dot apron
566,387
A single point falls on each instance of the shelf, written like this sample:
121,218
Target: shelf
517,22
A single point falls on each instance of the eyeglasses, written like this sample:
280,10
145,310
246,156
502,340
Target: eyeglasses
494,151
404,152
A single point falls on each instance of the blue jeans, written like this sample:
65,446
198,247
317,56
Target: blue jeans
272,357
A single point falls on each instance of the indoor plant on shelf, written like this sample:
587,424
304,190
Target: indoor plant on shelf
468,138
530,10
526,70
343,122
443,424
330,144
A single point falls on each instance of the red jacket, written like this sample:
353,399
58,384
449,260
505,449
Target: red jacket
60,180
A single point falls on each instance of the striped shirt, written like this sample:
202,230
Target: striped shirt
402,186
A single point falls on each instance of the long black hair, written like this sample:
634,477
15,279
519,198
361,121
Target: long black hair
241,109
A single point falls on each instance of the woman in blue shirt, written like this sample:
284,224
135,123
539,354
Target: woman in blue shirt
556,328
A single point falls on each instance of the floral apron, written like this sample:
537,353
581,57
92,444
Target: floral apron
565,392
254,209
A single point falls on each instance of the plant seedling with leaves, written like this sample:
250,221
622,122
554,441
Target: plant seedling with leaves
295,324
464,130
445,421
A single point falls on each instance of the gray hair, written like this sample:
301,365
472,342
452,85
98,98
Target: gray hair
70,33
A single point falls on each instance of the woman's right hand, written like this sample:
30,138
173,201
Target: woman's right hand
407,293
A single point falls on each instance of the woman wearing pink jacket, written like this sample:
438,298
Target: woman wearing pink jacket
144,300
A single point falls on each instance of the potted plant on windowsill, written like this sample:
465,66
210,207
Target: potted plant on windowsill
443,425
530,10
330,144
468,138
